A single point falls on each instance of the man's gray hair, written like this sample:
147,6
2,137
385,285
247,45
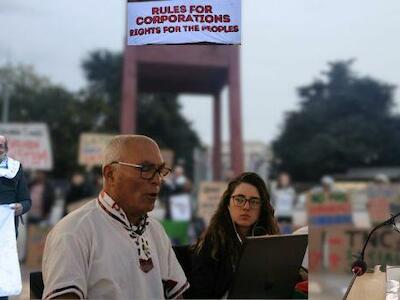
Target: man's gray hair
116,147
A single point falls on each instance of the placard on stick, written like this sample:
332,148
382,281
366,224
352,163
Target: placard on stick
210,193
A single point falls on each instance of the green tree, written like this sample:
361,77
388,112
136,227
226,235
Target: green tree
344,121
36,99
159,115
94,109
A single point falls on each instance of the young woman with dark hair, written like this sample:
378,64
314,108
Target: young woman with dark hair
244,210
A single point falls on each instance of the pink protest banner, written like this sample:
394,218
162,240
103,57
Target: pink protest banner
29,143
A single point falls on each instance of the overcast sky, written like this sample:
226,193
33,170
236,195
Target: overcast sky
285,44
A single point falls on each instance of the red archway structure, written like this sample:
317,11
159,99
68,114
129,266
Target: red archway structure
196,69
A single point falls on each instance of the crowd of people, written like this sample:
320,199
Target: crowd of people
108,245
84,251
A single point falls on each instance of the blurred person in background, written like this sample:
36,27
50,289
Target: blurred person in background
284,198
176,184
244,210
381,179
13,186
326,187
328,184
42,194
93,180
77,191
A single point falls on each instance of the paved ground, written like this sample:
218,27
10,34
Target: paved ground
328,286
25,283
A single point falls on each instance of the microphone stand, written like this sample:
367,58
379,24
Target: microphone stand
359,267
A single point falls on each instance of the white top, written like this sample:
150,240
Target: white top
96,253
10,275
284,201
303,230
9,167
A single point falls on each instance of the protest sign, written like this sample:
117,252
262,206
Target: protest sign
380,198
361,219
209,196
299,218
181,210
315,253
329,209
351,186
345,244
359,200
29,143
184,21
91,146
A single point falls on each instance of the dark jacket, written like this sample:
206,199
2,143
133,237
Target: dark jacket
15,190
210,278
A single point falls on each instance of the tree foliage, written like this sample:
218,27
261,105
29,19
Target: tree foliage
158,115
345,120
36,99
95,108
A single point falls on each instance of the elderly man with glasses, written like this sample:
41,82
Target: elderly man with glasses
110,248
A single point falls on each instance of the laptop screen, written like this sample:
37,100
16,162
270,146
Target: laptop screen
269,267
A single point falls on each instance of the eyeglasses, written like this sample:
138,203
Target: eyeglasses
147,171
240,200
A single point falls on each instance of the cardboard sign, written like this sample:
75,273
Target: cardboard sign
181,209
299,218
315,251
359,200
329,209
344,246
209,196
380,198
29,143
351,186
91,147
184,21
361,219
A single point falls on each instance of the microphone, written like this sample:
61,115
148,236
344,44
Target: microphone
359,267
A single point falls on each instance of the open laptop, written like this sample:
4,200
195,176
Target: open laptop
269,267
